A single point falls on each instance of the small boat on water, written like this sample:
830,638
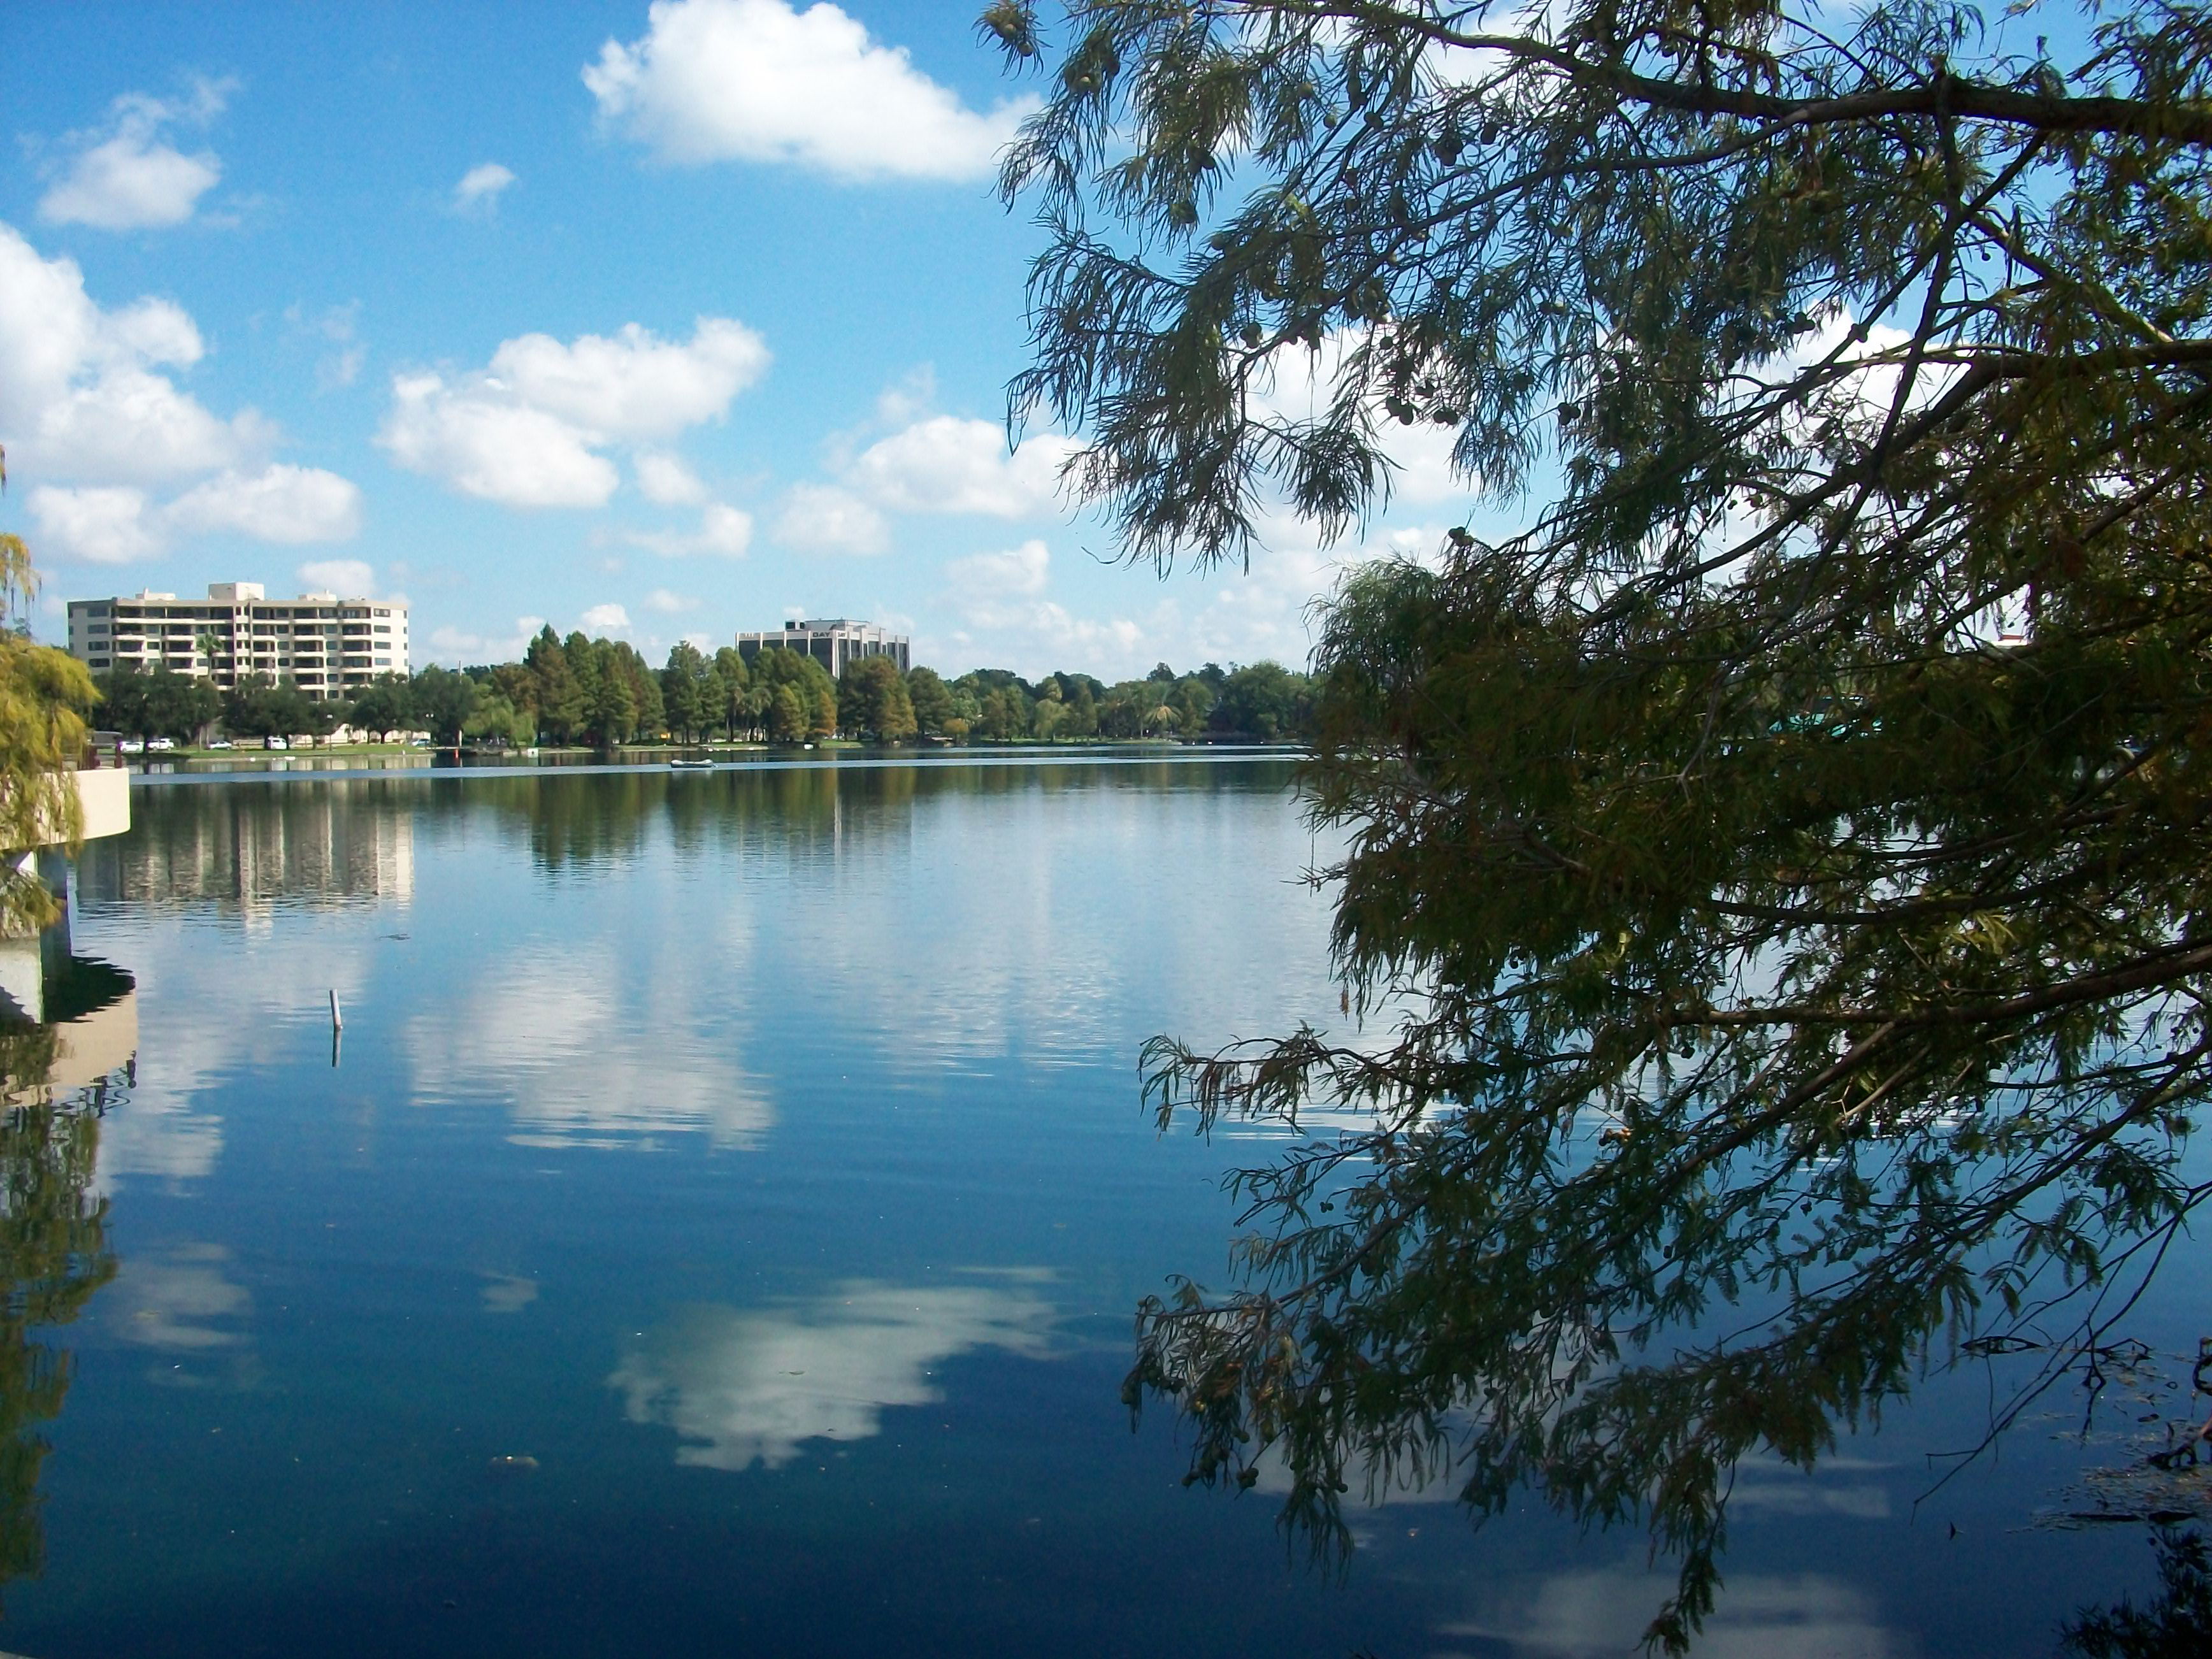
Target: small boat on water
690,766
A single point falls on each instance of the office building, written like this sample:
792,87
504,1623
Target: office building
832,641
327,646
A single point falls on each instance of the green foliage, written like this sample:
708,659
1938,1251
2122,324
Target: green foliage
445,702
743,705
931,701
559,699
43,697
787,714
1761,926
498,723
387,703
692,696
258,706
156,702
1264,700
814,694
54,1256
2177,1626
873,702
651,720
608,702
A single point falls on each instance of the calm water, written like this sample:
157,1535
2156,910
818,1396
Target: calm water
760,1154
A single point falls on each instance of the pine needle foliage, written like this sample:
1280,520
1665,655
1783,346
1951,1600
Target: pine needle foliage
1807,980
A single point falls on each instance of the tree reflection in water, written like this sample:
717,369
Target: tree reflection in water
54,1252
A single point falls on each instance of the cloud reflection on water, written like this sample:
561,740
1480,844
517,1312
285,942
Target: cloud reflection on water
180,1300
1584,1615
581,1063
747,1386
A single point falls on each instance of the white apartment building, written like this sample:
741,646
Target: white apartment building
328,646
833,641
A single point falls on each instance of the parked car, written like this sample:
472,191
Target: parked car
219,743
162,745
131,746
274,743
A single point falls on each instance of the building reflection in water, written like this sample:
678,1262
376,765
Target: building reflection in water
59,1076
254,848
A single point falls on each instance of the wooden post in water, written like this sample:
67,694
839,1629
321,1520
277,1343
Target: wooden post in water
337,1020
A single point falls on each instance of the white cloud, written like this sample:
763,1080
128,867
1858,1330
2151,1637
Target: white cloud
125,175
128,423
606,619
111,523
667,482
725,532
454,645
826,518
664,603
742,1386
104,524
906,398
1001,594
1019,570
480,187
349,578
756,80
950,464
279,503
483,443
89,410
340,367
635,385
526,431
80,398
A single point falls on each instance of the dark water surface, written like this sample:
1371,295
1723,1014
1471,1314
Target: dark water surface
759,1154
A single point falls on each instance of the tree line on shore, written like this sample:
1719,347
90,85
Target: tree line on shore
601,693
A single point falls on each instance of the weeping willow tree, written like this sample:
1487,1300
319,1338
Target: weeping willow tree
44,694
1776,872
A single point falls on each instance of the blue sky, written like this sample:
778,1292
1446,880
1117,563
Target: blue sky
658,322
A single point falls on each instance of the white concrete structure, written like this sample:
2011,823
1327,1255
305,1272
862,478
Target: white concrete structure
833,641
103,795
328,646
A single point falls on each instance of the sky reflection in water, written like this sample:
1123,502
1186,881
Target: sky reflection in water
759,1155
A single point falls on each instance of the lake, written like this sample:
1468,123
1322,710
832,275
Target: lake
717,1228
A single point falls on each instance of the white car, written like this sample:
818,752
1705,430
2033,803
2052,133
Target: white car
131,746
160,746
220,742
274,743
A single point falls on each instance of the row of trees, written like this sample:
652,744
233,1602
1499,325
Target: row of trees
602,693
1263,700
